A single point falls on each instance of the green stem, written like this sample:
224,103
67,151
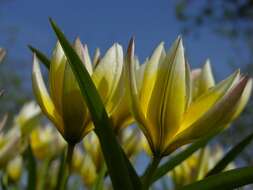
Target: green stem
149,173
32,170
65,168
43,173
70,151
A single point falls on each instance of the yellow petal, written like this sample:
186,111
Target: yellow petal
206,78
42,96
107,74
74,110
188,79
150,75
83,53
217,117
243,100
56,74
134,95
167,103
202,104
96,57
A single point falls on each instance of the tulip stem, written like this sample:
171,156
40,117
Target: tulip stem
70,151
149,173
65,168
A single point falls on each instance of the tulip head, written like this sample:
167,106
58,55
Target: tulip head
27,118
14,168
64,104
41,140
162,102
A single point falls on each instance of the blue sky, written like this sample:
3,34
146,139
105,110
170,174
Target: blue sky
100,24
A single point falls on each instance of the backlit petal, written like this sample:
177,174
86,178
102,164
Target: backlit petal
107,73
56,75
202,104
42,96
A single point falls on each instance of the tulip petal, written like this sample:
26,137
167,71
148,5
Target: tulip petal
83,53
167,103
96,57
244,99
200,106
42,96
217,117
188,85
56,75
150,75
107,73
74,109
206,78
134,95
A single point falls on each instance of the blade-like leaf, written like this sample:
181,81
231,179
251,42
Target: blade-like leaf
231,155
116,163
180,157
31,168
42,57
226,180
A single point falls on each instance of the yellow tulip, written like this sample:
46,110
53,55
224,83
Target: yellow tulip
14,168
28,117
41,140
197,166
64,105
161,96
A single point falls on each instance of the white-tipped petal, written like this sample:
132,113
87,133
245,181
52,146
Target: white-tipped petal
107,73
56,75
42,96
83,53
202,104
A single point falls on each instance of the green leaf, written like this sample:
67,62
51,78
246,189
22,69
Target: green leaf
42,57
231,155
116,163
180,157
31,168
226,180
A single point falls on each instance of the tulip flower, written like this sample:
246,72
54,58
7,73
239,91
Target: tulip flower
197,166
162,103
64,104
41,140
27,118
14,168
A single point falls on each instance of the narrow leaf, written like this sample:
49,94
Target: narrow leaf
226,180
231,155
180,157
116,163
42,57
32,171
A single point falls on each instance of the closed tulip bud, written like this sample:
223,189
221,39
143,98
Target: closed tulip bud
14,169
162,102
28,117
42,139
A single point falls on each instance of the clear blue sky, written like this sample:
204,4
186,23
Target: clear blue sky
100,24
